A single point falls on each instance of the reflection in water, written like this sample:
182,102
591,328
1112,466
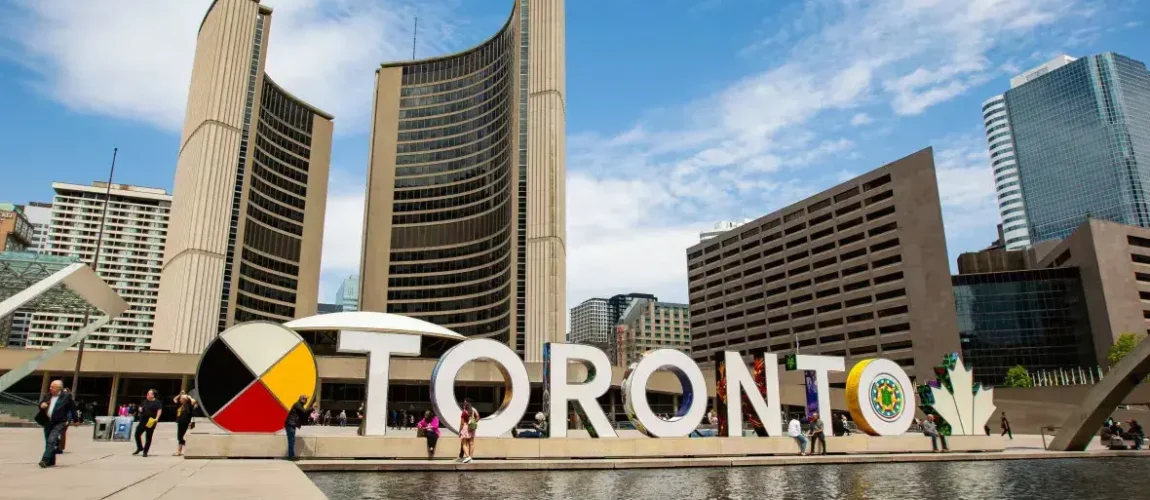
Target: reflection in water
1078,479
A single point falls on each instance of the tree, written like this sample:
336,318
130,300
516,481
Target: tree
1125,343
1016,376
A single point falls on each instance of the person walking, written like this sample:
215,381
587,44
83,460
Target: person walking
929,428
795,429
1006,427
343,418
429,426
55,409
468,424
185,406
296,416
148,417
818,434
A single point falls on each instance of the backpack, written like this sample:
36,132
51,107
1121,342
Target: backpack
473,422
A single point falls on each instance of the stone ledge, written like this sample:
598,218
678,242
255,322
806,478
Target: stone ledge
407,448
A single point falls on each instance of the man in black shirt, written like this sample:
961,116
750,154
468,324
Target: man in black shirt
149,415
53,416
296,416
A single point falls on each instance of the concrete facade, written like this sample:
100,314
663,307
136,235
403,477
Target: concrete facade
1114,263
464,221
859,270
250,190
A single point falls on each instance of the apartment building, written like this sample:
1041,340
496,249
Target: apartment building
131,257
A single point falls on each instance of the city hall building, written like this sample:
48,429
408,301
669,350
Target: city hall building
464,220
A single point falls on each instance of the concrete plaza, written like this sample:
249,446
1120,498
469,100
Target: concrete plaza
107,470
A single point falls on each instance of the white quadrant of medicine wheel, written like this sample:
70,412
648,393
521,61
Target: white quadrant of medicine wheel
260,345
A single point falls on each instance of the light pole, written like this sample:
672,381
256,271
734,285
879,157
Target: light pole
95,269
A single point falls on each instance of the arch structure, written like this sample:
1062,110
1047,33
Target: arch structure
1082,425
49,283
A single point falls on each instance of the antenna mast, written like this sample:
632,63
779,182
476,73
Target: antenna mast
414,33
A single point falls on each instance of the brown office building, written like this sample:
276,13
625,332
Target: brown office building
859,270
1113,261
464,221
250,192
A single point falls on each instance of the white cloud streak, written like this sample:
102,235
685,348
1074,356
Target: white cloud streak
132,59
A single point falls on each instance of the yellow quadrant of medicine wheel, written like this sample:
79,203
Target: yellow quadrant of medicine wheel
291,376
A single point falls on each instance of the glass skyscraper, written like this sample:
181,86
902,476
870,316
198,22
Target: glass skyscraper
1036,319
347,297
1078,132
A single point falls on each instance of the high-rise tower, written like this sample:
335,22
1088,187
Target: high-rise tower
250,191
464,221
1070,141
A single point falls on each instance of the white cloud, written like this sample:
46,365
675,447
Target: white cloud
132,59
860,119
966,188
735,153
342,230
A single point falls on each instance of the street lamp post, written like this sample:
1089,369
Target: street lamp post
95,268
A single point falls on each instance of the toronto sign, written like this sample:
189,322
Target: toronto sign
249,376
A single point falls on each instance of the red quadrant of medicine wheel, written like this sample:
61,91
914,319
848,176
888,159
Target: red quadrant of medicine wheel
254,410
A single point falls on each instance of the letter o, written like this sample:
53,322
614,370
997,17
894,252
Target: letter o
880,397
517,387
691,410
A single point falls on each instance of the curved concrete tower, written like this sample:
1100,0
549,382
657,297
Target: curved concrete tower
464,219
246,226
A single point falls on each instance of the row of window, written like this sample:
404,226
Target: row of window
490,94
752,232
447,266
450,159
698,310
462,64
482,73
500,200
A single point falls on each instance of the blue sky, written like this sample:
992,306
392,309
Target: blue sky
680,113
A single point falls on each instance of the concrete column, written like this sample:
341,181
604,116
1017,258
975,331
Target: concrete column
674,404
47,380
184,383
112,397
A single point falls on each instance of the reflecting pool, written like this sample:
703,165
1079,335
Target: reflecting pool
1078,479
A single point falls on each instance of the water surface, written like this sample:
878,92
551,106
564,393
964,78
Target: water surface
1077,479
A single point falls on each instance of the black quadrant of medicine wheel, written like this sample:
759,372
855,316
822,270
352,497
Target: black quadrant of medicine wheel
221,377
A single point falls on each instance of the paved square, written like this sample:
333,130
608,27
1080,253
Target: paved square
107,470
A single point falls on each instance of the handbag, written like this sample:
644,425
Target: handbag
472,423
421,433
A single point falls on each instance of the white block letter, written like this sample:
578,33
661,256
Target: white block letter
599,371
379,347
739,381
821,365
693,403
517,387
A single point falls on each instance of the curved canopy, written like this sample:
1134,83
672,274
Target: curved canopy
372,322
